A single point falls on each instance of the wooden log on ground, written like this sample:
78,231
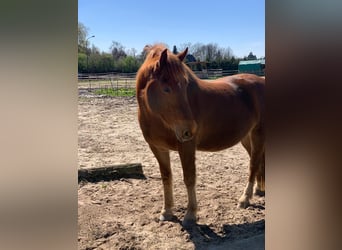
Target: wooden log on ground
133,170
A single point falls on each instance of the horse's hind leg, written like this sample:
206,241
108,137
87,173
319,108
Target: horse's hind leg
260,178
260,175
254,144
163,158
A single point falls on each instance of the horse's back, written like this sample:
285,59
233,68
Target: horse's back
251,89
243,80
229,108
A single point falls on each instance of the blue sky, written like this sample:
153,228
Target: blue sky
239,25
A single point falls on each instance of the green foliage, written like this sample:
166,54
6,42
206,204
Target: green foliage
129,64
119,59
231,64
82,34
99,63
116,92
82,62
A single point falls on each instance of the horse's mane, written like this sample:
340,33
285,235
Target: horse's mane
174,70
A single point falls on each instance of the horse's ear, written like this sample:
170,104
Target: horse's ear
147,48
182,55
163,59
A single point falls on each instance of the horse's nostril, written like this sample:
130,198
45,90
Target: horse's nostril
187,134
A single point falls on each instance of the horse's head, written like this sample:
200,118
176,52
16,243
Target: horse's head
165,82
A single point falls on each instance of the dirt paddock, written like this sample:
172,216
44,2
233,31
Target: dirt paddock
123,214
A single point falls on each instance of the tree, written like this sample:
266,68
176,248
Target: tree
211,51
121,60
129,64
183,46
174,50
94,50
82,63
198,52
82,35
117,50
251,56
132,52
106,63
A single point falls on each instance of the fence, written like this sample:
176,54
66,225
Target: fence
102,76
214,73
116,82
126,81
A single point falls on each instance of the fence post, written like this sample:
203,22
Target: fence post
117,86
89,82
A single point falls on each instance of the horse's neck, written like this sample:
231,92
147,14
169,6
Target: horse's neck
199,83
193,78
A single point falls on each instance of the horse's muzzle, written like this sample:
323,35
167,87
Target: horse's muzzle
186,133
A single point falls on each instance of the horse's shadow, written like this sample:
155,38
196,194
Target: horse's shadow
249,235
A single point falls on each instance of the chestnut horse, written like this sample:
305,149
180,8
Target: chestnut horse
180,112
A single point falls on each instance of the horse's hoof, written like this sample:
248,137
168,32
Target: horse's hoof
259,192
189,220
188,223
243,204
166,217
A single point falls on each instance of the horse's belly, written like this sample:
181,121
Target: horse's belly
216,145
215,140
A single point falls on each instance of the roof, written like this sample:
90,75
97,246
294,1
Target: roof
260,61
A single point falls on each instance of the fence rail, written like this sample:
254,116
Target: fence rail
214,73
101,76
117,81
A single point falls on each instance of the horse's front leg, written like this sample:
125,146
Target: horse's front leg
187,155
163,158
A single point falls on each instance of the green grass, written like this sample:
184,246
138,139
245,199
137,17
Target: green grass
116,92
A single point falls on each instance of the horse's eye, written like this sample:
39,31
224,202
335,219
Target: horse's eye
167,89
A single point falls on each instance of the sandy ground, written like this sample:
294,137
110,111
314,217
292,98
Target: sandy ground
123,214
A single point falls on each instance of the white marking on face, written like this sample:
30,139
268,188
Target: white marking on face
179,85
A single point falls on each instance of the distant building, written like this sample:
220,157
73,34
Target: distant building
190,58
252,66
251,56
